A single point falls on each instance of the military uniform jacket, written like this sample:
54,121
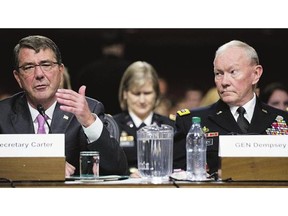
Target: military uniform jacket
15,118
216,120
128,132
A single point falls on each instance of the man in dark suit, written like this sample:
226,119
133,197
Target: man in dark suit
236,74
38,71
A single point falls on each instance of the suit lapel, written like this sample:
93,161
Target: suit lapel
223,117
60,120
129,124
21,118
22,121
262,119
156,119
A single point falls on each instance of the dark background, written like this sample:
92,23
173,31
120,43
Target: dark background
182,56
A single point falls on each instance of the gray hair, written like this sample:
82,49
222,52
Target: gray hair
250,51
37,43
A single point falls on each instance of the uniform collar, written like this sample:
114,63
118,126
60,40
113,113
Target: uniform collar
137,121
249,107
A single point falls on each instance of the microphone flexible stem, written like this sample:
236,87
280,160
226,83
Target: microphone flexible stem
42,112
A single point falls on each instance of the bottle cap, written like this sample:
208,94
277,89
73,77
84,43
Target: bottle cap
196,119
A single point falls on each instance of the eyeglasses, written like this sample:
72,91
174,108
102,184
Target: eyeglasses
46,66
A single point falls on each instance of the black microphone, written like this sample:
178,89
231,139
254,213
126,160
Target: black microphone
42,112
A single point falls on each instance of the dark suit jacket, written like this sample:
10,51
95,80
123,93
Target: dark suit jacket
218,118
15,118
127,126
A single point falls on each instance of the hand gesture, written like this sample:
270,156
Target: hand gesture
76,103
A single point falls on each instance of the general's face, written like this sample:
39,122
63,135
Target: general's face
235,76
279,99
39,82
141,100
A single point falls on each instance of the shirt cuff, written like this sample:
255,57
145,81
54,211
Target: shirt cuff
93,132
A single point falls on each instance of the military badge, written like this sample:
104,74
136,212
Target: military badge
125,140
279,127
212,134
209,136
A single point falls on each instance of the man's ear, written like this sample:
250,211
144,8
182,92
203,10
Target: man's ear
16,76
257,73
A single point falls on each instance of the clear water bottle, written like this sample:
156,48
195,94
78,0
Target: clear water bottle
196,152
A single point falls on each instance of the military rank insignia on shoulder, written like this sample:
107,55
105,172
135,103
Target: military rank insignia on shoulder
183,112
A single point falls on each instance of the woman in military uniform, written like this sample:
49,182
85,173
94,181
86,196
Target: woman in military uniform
138,96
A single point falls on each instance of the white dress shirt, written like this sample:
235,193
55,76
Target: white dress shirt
92,132
249,107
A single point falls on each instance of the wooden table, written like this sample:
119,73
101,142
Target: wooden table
136,183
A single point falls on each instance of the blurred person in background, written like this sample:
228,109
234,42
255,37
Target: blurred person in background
210,97
4,94
66,80
102,76
165,104
188,99
138,96
193,97
275,94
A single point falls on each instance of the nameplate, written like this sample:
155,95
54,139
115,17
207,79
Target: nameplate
253,145
32,145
